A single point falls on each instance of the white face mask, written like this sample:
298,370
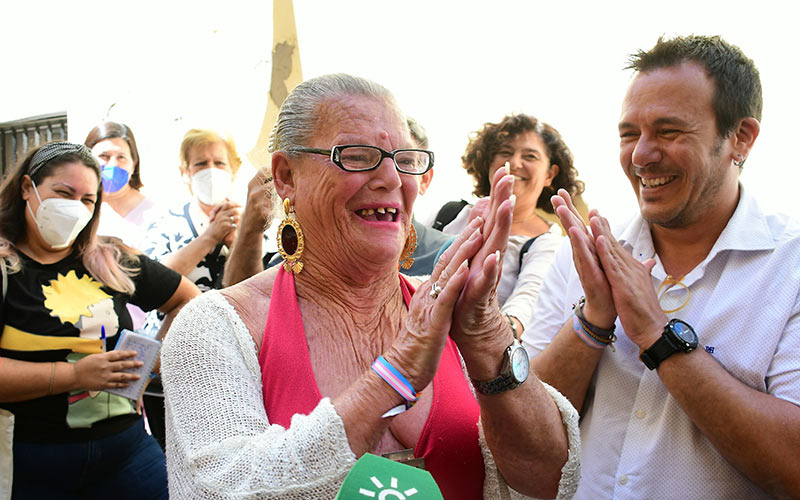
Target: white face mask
212,185
59,220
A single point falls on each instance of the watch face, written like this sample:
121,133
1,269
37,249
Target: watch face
520,364
684,332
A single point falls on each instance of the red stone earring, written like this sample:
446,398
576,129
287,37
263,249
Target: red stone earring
290,240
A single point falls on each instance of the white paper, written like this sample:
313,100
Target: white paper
147,350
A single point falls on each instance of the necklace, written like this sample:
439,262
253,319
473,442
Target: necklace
673,294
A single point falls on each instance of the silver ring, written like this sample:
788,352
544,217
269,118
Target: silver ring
435,290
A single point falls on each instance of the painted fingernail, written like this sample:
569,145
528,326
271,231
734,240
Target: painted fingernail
497,256
508,168
513,199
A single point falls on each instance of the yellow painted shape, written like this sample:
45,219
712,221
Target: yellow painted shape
68,298
17,340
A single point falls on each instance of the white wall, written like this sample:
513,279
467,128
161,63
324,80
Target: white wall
171,65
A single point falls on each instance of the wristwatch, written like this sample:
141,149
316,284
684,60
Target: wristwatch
678,336
513,372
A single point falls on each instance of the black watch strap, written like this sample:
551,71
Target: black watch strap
678,336
658,352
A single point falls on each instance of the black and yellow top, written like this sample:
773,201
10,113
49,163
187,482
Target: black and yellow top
57,312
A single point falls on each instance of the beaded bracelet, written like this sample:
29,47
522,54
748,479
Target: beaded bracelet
586,330
582,334
396,380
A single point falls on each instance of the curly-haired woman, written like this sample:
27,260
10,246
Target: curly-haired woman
541,164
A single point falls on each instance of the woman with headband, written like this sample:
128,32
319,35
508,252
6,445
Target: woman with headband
65,292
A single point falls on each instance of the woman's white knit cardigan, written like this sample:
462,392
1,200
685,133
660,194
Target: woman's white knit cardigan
220,444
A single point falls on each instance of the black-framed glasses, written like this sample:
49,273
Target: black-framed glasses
360,158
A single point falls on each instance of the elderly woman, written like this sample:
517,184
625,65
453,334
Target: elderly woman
276,385
65,292
541,164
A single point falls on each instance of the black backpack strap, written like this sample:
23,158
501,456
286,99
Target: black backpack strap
525,247
447,213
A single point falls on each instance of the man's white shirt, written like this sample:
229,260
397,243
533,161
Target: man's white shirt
744,304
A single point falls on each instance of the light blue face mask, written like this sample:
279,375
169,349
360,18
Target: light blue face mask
114,178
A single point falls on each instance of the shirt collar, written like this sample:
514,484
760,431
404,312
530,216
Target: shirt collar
747,230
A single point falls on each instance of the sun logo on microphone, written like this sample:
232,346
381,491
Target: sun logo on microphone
390,493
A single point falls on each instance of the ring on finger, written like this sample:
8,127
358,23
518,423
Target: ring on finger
435,290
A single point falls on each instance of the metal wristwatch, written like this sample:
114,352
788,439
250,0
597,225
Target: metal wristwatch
678,336
513,372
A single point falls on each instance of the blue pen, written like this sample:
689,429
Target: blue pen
103,336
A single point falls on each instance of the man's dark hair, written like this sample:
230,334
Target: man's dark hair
737,85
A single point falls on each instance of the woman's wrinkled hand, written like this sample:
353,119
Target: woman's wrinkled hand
417,352
98,372
260,208
477,313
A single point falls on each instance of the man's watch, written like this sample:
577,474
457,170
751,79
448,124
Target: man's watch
678,336
513,372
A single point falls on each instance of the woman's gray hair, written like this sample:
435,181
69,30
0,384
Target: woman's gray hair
299,112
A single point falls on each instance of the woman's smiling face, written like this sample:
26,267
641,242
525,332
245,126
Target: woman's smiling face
355,215
527,155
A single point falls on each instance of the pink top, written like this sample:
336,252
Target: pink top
449,439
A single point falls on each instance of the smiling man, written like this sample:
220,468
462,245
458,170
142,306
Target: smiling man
698,297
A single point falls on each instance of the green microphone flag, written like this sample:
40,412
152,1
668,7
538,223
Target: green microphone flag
384,479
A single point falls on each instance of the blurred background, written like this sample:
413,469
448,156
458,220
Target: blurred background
165,67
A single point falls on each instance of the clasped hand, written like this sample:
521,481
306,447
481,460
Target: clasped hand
223,221
613,281
465,308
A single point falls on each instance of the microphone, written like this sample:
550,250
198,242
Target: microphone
383,479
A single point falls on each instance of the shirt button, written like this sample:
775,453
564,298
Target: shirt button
623,480
640,414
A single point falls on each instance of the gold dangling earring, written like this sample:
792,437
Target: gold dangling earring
408,250
290,240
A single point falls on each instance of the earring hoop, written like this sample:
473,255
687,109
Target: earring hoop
740,161
290,240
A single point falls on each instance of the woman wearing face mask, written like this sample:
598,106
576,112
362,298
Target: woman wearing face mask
62,311
195,239
126,212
